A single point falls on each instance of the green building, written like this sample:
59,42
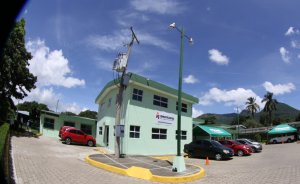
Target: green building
50,123
149,117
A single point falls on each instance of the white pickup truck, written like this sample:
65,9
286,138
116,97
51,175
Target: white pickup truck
287,138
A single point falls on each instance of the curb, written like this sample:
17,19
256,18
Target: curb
145,174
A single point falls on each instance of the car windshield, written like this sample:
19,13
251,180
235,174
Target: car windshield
215,143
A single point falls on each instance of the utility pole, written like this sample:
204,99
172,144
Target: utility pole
120,65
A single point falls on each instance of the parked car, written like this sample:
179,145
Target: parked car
74,135
256,146
284,138
208,148
238,148
62,130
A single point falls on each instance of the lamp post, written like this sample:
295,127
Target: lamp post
178,162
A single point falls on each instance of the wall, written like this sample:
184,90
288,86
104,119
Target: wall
59,121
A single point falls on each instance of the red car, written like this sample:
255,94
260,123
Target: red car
74,135
238,148
62,130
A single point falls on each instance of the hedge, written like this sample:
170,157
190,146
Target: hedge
4,130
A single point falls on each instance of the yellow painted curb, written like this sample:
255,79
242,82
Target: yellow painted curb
146,174
179,179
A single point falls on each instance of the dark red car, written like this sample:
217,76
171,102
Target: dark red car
74,135
238,148
62,130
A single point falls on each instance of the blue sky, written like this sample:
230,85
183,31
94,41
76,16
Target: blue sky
241,49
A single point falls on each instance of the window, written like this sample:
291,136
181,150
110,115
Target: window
68,123
134,132
183,135
73,131
102,106
109,102
49,123
86,128
158,133
183,107
137,94
100,130
160,101
79,132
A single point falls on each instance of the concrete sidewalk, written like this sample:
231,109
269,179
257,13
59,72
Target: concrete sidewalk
144,167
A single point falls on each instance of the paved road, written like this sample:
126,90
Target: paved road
46,160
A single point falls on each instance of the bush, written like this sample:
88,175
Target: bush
4,130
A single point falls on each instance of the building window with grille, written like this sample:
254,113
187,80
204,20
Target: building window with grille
100,130
49,123
137,95
134,131
69,123
160,101
183,107
159,133
86,129
183,135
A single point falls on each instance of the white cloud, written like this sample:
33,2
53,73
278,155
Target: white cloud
72,107
52,100
217,57
279,89
291,31
190,79
196,112
117,40
235,97
160,7
50,67
295,44
284,54
298,56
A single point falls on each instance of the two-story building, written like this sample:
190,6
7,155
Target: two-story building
149,116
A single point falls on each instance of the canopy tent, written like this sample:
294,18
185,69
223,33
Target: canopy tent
211,131
281,129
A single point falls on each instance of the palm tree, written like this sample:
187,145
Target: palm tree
252,107
270,105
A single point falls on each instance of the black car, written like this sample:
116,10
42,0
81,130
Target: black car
208,148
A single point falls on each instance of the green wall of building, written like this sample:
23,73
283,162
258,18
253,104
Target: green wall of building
142,114
59,120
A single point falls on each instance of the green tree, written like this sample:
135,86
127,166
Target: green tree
270,106
209,119
252,123
69,113
15,78
88,114
252,107
33,108
298,117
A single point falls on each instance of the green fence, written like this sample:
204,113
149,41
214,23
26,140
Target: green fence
4,153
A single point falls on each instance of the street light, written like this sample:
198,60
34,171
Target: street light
178,162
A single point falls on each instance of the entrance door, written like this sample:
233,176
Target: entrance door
106,135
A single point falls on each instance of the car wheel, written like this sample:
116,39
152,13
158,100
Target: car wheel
240,153
274,142
68,141
218,156
289,140
190,154
90,143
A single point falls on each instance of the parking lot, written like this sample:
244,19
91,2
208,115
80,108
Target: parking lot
47,160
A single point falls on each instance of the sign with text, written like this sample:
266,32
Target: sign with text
164,118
